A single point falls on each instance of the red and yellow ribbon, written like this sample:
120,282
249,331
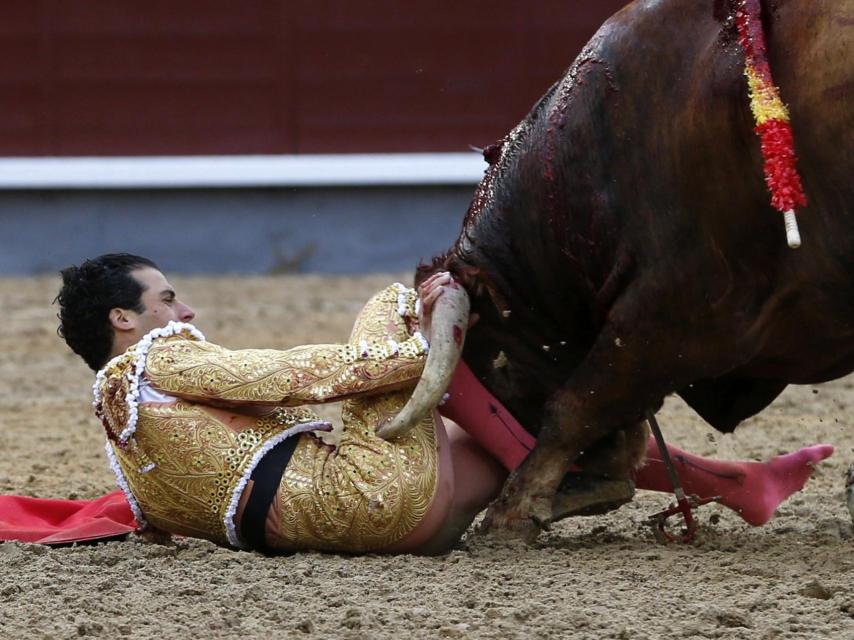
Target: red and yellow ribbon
769,112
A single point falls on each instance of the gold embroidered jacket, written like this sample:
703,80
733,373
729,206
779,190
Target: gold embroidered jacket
182,465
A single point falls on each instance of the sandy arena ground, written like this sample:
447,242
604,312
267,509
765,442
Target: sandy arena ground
596,578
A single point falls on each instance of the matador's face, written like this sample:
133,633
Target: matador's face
160,301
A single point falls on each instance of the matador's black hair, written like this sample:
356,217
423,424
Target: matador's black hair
88,293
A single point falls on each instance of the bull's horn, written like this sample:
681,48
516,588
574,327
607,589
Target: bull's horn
447,335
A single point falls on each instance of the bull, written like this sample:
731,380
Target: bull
621,246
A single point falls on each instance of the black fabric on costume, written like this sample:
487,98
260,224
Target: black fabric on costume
266,478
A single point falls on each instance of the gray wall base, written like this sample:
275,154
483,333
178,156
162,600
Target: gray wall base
343,230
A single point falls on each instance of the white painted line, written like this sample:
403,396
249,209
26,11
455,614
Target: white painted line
176,172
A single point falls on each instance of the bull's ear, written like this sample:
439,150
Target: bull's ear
468,276
479,285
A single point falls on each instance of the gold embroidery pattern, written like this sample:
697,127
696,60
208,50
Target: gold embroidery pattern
307,374
380,319
115,389
367,493
198,464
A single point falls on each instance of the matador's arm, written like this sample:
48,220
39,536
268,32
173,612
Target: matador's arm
203,371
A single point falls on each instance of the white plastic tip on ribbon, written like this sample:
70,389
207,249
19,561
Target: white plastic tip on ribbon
793,236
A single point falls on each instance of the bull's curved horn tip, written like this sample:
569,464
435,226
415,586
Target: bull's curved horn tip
392,429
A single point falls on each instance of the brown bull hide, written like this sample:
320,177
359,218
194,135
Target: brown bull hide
621,246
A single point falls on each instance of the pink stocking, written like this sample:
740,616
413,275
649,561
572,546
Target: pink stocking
485,419
754,490
751,489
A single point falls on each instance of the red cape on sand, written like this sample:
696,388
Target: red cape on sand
48,521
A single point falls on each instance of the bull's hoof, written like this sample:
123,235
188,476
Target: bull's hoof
524,530
582,495
504,523
849,490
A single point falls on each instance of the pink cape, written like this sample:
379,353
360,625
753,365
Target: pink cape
48,521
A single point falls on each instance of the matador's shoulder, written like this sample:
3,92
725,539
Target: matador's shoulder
116,386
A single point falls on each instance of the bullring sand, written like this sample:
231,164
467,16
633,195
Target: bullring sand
599,578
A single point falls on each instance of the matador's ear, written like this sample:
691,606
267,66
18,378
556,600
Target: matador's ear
121,319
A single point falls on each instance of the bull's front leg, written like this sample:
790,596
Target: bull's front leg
606,393
525,505
606,479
